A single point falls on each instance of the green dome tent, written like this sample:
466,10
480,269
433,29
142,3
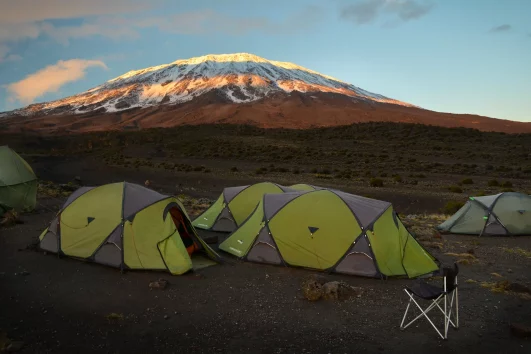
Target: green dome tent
332,231
496,215
126,226
235,204
304,187
18,183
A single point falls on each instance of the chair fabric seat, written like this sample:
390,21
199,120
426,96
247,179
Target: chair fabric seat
425,291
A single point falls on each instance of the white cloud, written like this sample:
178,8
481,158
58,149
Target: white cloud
50,79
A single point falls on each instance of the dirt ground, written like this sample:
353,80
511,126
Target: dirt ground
63,305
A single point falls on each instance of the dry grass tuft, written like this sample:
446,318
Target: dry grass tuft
496,287
461,255
470,281
518,251
431,244
496,275
114,316
466,261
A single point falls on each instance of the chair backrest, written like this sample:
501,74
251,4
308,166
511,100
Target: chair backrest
450,274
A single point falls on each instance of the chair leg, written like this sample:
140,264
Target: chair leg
456,309
448,315
405,315
423,313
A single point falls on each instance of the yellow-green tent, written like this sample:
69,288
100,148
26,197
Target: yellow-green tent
126,226
18,183
235,205
332,231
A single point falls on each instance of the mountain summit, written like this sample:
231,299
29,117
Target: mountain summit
240,78
236,88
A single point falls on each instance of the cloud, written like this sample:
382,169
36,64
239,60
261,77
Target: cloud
200,22
5,56
501,28
50,79
367,11
28,11
26,19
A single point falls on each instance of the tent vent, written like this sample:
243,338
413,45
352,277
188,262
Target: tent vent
312,229
90,219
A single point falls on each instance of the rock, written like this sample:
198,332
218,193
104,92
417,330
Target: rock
166,317
68,187
159,284
336,290
77,179
520,330
331,290
312,288
14,347
518,288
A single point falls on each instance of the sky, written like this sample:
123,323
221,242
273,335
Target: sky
459,56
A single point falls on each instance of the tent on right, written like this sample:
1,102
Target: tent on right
503,214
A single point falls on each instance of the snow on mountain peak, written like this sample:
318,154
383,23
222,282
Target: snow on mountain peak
240,77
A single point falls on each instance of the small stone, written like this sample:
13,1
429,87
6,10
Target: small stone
14,347
519,330
166,317
312,289
159,284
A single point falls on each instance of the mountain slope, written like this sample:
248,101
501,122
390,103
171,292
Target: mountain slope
228,88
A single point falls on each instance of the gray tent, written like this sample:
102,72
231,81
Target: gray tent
501,214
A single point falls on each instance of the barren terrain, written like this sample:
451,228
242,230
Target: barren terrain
57,305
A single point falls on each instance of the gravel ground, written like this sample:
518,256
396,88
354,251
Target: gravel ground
58,305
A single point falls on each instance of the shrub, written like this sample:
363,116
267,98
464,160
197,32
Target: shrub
493,183
376,182
261,171
481,193
455,189
313,170
397,178
467,181
325,171
507,190
507,184
234,169
296,171
452,207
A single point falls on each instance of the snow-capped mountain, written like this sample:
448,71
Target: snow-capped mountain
240,78
228,89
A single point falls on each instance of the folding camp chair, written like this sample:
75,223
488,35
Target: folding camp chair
436,294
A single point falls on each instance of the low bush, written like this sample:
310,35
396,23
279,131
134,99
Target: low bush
455,189
493,183
376,182
452,207
467,181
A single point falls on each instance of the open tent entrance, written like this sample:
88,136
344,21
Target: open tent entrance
188,237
